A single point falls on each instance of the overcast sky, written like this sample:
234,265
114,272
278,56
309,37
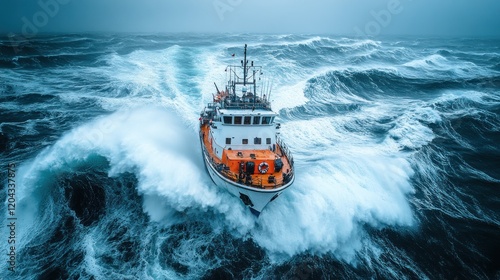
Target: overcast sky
343,17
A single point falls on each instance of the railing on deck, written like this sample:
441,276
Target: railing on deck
217,146
258,181
250,104
286,151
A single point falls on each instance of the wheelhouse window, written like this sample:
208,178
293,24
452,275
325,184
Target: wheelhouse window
228,120
268,141
237,120
257,141
228,141
266,120
256,120
247,120
244,141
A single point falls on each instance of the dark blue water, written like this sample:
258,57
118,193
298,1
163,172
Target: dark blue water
395,144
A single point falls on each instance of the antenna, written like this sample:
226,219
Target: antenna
270,89
266,90
245,67
263,89
254,83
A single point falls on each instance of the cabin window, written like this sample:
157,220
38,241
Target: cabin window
257,141
247,120
244,141
266,120
256,120
228,141
237,120
228,120
268,141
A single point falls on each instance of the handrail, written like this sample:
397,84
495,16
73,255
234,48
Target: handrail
214,143
247,147
247,105
286,151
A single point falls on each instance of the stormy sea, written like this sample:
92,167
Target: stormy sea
395,141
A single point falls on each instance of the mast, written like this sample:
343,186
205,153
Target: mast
245,67
248,77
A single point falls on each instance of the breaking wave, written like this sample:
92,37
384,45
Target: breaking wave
394,143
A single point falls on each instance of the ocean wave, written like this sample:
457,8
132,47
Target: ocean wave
395,142
451,68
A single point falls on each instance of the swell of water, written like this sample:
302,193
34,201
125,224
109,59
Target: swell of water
393,141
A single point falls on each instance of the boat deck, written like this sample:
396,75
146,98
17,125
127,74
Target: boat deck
229,165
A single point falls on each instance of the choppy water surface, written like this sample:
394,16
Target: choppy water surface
395,145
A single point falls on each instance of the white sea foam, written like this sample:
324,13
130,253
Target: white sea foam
434,60
149,142
435,63
347,187
344,183
346,180
410,129
449,96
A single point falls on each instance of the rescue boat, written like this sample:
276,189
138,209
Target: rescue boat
240,141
